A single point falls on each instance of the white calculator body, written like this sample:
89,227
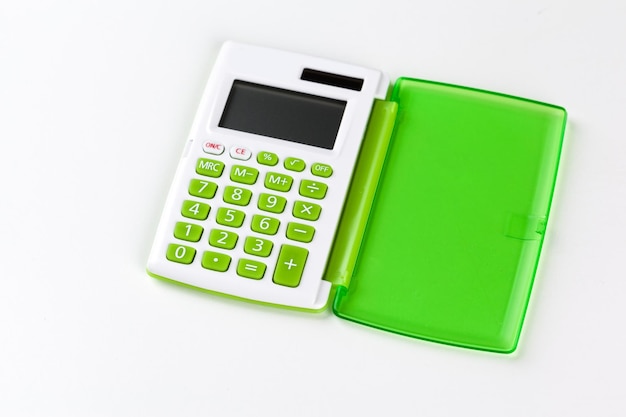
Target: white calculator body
259,191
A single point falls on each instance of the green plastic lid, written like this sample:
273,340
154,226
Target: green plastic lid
451,244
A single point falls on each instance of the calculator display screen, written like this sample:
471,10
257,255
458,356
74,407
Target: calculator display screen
283,114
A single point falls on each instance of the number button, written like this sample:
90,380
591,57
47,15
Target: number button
188,231
250,269
204,189
222,239
321,170
179,253
300,232
215,261
267,158
265,225
290,265
307,211
209,167
244,175
195,210
294,164
313,189
258,247
272,203
230,217
278,182
236,195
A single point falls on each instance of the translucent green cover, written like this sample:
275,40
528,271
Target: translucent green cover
456,226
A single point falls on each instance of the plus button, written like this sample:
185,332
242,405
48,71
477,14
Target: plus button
290,264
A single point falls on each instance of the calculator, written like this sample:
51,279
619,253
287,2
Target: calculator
258,194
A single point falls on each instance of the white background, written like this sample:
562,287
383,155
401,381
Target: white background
96,99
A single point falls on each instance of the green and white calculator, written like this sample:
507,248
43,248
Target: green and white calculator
420,210
257,197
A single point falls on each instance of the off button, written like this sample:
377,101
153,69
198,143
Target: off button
321,170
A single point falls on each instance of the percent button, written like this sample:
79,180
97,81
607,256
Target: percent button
267,158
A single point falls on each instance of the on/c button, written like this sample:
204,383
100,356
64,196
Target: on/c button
237,152
214,148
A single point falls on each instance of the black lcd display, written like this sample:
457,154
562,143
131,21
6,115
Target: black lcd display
283,114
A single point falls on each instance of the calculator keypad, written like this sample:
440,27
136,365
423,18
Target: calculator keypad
230,226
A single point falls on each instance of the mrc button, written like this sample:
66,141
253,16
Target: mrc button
321,170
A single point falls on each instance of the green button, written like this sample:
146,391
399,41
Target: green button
267,158
195,210
188,231
305,210
180,253
222,239
278,182
243,174
204,189
236,195
272,203
230,217
215,261
300,232
290,265
209,167
250,269
321,170
313,189
265,225
294,164
257,246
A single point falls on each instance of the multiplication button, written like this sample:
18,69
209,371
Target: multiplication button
306,211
